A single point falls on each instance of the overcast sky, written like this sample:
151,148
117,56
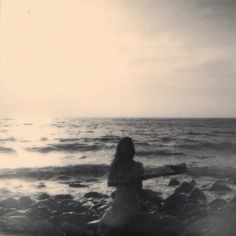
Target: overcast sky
159,58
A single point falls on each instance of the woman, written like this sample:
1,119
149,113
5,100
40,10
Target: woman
125,174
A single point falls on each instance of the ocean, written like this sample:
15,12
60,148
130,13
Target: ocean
28,142
48,155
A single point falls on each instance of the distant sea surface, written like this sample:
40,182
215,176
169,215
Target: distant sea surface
26,142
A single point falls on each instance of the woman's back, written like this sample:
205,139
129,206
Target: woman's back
126,200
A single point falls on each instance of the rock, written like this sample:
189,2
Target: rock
217,204
218,186
16,213
193,182
4,210
174,182
197,195
233,201
189,209
152,196
44,196
93,225
75,230
43,228
95,195
156,224
174,203
185,187
71,205
228,213
41,185
209,226
77,185
63,197
26,202
16,224
63,177
71,218
10,203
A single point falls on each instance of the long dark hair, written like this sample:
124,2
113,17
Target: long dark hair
130,148
119,157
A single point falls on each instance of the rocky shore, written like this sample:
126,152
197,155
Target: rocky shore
186,211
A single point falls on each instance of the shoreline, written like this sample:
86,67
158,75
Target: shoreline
47,197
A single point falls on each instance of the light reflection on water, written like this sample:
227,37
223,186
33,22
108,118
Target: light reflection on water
39,142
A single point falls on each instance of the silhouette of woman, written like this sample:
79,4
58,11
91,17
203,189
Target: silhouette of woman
125,174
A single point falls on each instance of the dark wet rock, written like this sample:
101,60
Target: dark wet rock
42,212
209,226
193,182
173,182
185,187
26,202
228,213
44,196
16,224
77,185
95,195
233,201
41,185
189,209
44,228
91,180
218,186
174,203
71,218
4,210
63,177
16,213
217,204
197,195
71,205
10,203
151,196
63,196
93,225
156,224
75,230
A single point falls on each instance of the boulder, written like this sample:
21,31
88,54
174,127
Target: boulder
26,201
174,203
173,182
217,204
63,197
16,224
71,218
151,196
41,185
44,228
77,185
75,230
185,187
218,186
44,196
95,195
209,226
233,201
156,224
197,195
10,203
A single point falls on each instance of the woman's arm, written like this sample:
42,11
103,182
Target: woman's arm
166,171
